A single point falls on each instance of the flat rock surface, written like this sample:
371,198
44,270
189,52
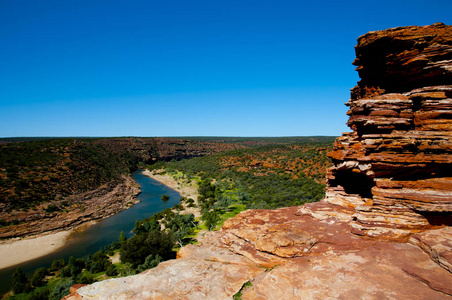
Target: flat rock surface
185,278
337,264
437,244
383,271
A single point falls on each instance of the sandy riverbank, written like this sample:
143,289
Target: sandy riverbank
16,251
186,189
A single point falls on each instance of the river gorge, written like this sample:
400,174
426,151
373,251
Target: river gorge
87,242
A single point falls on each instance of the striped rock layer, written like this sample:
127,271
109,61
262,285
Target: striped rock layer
394,170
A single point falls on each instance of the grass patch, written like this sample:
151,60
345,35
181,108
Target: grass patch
231,212
238,295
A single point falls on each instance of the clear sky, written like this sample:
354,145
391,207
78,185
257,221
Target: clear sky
187,68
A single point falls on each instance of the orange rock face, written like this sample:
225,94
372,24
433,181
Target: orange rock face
395,168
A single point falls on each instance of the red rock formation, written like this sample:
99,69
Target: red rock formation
395,168
288,254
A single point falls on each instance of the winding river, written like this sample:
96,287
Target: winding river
89,241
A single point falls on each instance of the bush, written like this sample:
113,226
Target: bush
57,264
61,289
86,278
140,246
38,277
52,208
39,294
66,271
150,262
19,281
111,270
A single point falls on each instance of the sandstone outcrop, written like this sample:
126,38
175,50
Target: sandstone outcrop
395,169
381,232
288,254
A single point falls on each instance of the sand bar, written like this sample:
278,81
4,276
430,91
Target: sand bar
16,251
189,190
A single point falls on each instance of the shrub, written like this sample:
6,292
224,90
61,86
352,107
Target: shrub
39,294
111,270
66,271
86,278
61,289
19,281
140,246
38,277
57,264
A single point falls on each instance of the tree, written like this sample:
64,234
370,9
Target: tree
38,277
165,198
61,289
19,281
39,294
111,270
211,219
57,264
150,262
140,246
99,262
86,278
122,238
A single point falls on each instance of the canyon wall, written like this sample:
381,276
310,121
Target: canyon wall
381,232
81,185
395,169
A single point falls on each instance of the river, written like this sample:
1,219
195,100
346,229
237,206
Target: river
103,233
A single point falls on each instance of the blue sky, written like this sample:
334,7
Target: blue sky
187,68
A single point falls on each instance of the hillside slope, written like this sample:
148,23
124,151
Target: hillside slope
57,184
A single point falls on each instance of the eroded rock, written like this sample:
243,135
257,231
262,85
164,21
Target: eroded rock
395,168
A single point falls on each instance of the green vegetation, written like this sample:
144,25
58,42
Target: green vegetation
268,176
40,171
238,295
154,241
34,171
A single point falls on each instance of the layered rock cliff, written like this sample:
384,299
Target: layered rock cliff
381,233
395,169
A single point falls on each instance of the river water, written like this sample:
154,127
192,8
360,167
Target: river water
103,233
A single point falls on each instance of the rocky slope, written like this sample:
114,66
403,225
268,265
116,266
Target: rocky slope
382,231
98,204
